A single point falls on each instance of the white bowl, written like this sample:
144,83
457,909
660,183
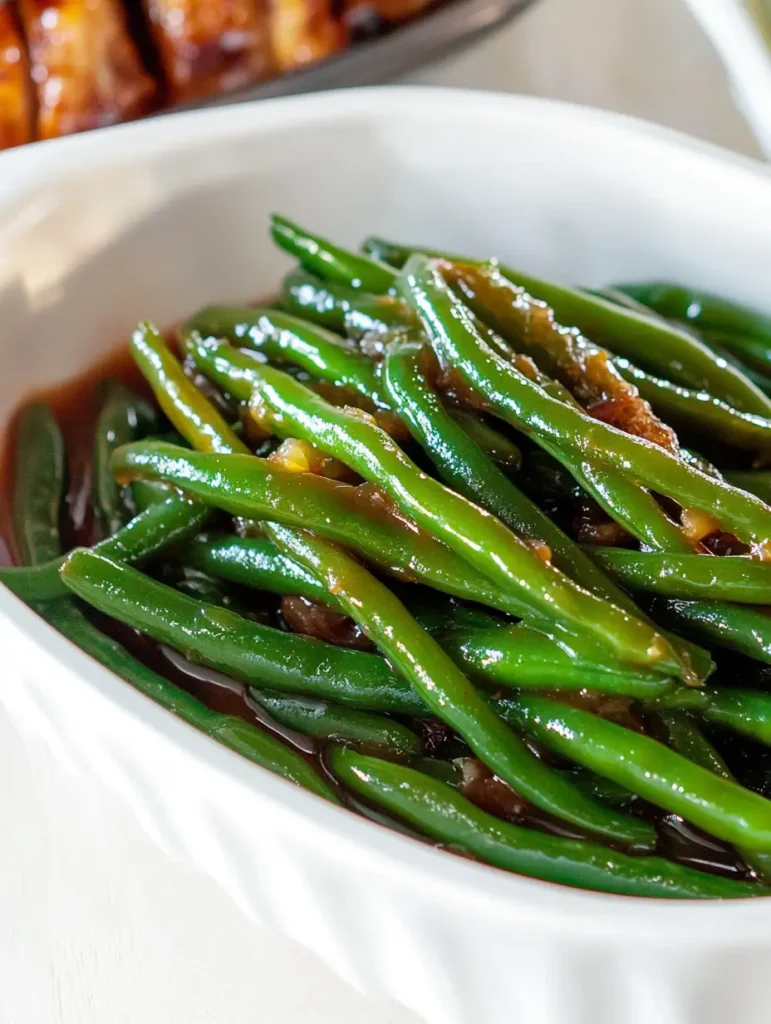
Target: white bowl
154,219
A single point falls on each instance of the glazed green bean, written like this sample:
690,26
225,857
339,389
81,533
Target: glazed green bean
123,417
254,562
544,595
358,517
38,485
756,481
488,649
439,811
686,738
466,468
318,718
699,411
160,526
285,338
700,309
447,692
738,627
192,414
734,578
647,767
247,651
341,308
744,711
329,261
651,343
45,473
562,428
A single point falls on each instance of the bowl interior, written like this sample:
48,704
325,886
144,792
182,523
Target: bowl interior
155,219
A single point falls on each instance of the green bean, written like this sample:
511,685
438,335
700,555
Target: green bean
683,735
332,263
440,812
488,649
341,308
738,627
699,411
562,428
756,481
521,657
145,493
733,578
159,526
247,651
653,771
499,449
544,595
744,711
122,418
192,414
447,692
285,338
687,739
651,343
466,468
700,309
38,485
43,479
317,718
358,517
254,562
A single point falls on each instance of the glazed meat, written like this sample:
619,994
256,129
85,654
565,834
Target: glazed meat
209,46
84,64
15,105
303,31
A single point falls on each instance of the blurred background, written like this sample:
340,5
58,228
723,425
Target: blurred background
72,65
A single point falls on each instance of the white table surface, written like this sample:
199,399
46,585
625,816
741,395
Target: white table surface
643,57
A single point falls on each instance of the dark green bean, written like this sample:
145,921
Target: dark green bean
734,578
46,471
285,338
159,526
756,481
700,309
443,814
317,718
245,650
647,767
447,692
38,485
341,308
738,627
123,417
329,261
699,411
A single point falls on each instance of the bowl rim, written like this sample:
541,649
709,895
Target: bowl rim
505,895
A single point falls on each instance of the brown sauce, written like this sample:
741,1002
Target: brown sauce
75,405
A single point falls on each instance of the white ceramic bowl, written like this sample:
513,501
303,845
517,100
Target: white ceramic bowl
154,219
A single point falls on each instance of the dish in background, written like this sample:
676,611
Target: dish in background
79,64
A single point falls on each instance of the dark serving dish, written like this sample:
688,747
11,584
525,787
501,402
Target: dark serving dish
67,66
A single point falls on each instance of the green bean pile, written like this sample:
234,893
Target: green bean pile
483,556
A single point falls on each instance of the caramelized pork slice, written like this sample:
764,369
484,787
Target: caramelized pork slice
16,119
304,31
84,64
209,46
